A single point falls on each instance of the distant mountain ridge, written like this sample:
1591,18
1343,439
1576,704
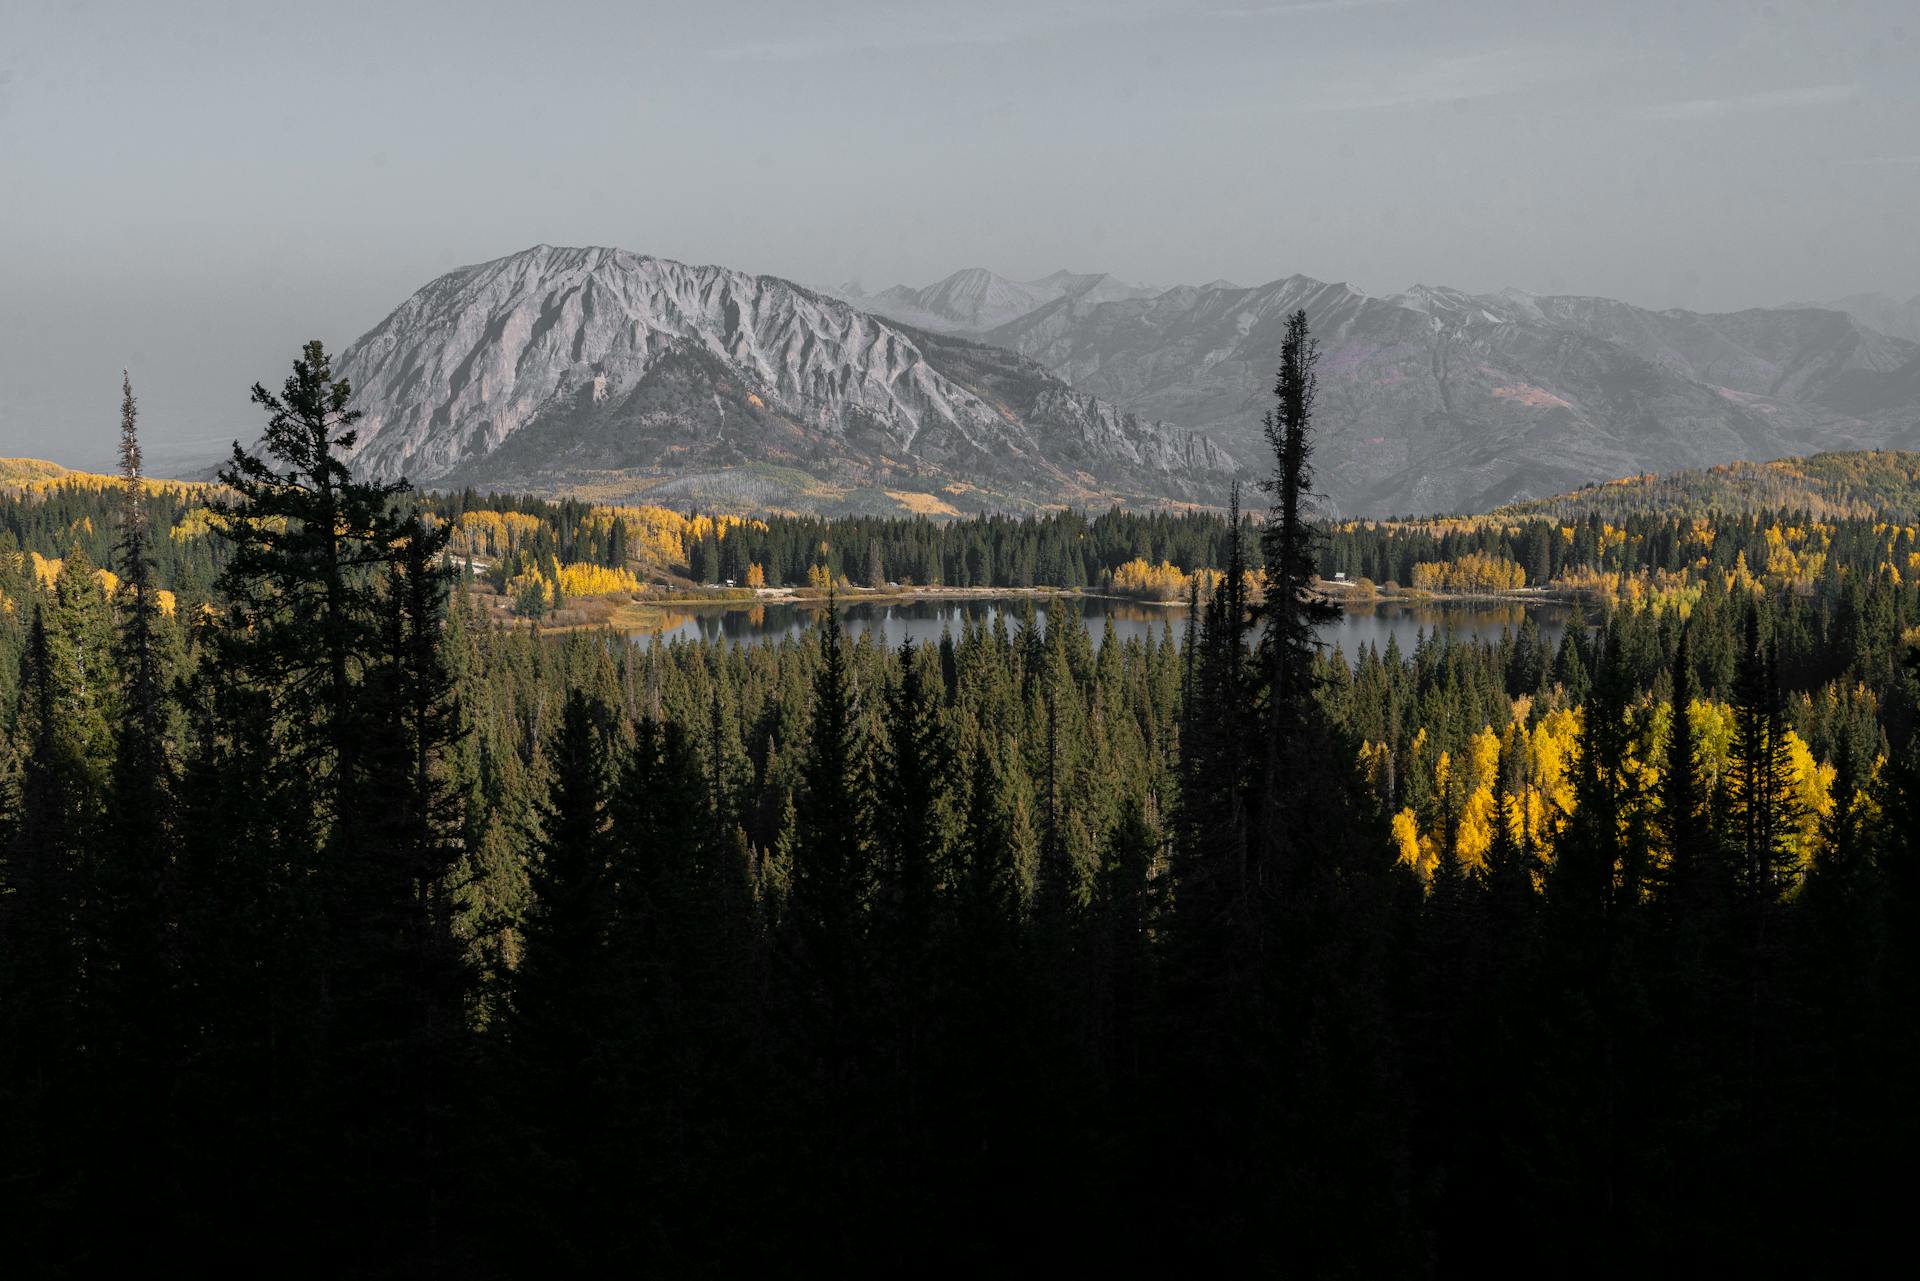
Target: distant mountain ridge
1877,311
598,370
974,300
1437,400
1434,399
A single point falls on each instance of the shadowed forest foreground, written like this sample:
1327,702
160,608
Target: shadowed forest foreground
343,932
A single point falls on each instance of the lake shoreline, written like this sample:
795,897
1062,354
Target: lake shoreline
1353,594
814,596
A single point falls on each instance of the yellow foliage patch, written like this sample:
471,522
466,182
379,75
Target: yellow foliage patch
45,571
1164,581
1474,572
922,504
581,579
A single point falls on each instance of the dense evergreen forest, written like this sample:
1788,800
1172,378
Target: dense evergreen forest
346,931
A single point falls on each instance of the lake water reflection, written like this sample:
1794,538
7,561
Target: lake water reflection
1376,624
924,621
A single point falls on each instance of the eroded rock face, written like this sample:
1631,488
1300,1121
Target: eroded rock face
573,362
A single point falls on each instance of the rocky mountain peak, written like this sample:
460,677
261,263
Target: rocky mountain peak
555,362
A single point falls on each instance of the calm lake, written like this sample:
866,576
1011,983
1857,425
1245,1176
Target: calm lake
895,622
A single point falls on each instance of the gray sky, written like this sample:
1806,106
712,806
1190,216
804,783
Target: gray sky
193,189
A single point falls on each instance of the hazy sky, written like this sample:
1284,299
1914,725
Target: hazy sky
192,189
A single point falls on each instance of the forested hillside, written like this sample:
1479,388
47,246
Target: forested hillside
1883,483
351,926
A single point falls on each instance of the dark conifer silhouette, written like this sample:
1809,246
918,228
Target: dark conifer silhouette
132,1016
1692,882
41,964
832,846
1761,807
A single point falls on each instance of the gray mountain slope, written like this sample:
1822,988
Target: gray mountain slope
1436,400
